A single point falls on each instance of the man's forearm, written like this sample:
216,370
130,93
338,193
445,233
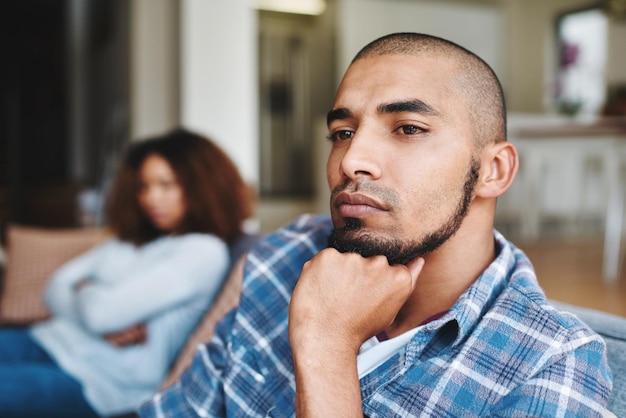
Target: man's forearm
327,385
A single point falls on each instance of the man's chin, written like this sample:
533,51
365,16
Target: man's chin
349,225
366,244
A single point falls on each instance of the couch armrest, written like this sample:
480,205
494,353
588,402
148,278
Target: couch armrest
227,299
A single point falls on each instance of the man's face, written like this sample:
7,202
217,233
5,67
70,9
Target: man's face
403,163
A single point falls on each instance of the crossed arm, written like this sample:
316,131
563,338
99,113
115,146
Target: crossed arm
118,309
131,335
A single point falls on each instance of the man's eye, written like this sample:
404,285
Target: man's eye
341,135
410,129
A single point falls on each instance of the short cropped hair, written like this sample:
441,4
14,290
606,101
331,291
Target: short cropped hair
475,79
217,198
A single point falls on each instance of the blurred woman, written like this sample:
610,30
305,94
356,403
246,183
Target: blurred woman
122,311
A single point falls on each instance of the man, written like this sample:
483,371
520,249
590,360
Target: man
408,303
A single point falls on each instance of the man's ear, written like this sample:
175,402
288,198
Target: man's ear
499,164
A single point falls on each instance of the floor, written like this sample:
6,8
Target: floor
571,271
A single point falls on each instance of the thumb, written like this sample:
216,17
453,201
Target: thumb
415,268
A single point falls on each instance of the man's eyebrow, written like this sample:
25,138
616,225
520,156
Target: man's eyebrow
340,113
416,106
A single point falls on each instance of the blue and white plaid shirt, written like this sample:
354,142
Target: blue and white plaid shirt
501,350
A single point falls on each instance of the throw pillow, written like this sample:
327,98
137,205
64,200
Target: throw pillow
33,254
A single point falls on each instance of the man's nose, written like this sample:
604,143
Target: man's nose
362,156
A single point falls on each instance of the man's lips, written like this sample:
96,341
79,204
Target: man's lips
354,205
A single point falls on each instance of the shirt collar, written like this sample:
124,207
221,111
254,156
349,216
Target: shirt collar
481,295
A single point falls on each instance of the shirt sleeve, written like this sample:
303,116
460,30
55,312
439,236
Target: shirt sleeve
576,384
195,266
200,390
60,294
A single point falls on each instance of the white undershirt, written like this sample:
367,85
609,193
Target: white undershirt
373,352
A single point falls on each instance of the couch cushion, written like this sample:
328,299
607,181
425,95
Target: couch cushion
33,254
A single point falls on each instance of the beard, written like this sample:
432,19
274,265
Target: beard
348,239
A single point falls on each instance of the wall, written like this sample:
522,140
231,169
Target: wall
477,26
154,67
219,77
194,64
531,51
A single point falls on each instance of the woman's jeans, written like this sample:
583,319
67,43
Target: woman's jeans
31,383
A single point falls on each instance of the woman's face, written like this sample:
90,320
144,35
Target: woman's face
160,195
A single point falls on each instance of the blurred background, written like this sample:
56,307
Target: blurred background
80,79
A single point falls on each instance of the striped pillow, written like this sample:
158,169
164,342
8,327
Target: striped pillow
33,254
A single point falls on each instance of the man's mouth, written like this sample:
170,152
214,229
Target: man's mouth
356,205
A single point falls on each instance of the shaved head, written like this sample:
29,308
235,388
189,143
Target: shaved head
474,80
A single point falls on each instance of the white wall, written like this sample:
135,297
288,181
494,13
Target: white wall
532,54
194,64
154,67
478,27
219,94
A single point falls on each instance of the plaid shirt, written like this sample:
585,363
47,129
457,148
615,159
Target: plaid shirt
501,350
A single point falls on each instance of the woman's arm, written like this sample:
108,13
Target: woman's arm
60,294
196,265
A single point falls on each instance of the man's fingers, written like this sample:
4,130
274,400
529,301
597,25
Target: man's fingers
415,268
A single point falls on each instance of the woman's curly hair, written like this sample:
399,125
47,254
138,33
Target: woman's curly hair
217,198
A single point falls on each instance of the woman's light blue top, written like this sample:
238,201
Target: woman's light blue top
166,284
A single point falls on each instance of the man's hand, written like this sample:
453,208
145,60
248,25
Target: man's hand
344,299
340,301
136,334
